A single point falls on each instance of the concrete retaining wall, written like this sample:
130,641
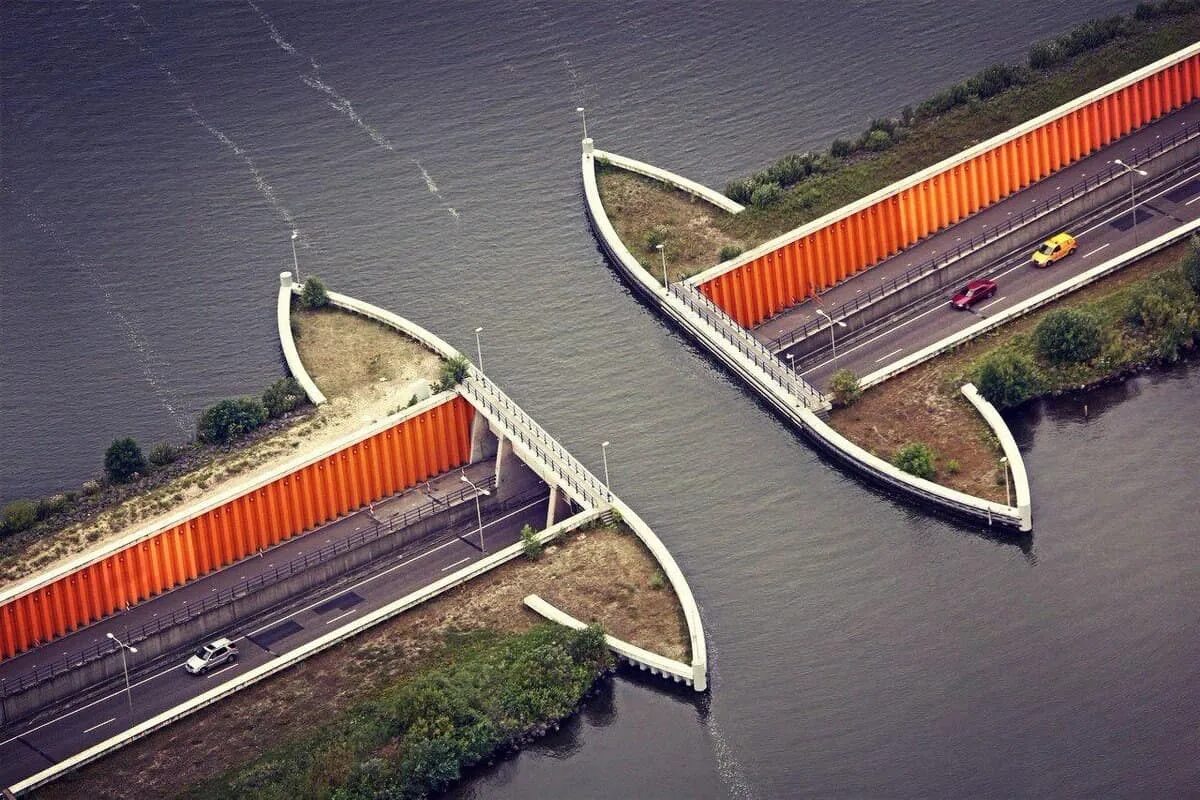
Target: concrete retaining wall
670,178
283,322
790,406
1015,464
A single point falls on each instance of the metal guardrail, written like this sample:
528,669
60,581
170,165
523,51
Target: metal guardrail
382,528
490,397
932,265
747,345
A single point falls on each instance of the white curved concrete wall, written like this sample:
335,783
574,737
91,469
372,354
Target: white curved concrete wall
670,178
1008,444
283,322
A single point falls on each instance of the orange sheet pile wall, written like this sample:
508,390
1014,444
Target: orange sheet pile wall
395,459
772,282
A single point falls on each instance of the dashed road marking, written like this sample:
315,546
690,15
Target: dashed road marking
456,563
101,725
1097,250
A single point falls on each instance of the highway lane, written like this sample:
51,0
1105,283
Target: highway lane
1110,236
948,238
30,748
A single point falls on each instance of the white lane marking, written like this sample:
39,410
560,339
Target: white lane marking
101,725
889,355
1194,199
157,675
456,563
339,616
1141,202
880,336
997,300
1097,250
218,672
1012,269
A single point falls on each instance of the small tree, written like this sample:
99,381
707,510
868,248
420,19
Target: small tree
656,236
916,459
454,372
1006,379
529,543
17,516
314,295
730,251
123,459
163,453
845,387
1068,336
766,194
229,420
1191,264
282,396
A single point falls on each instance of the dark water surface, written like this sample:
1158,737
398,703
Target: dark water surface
155,158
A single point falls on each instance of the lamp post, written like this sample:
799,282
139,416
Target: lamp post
791,357
663,254
604,452
1004,466
478,513
295,261
1132,203
479,348
125,667
832,341
583,114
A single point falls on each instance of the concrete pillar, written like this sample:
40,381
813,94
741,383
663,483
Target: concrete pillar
483,442
506,461
552,505
587,146
285,280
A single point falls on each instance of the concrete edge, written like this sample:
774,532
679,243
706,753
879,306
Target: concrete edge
808,422
1026,306
283,321
670,178
946,164
1016,465
646,659
284,662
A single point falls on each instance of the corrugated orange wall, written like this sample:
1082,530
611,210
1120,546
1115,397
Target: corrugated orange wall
395,459
774,281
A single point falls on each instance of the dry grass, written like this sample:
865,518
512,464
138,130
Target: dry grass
578,574
636,205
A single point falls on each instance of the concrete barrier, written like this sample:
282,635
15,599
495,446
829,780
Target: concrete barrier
1015,465
283,322
670,178
785,402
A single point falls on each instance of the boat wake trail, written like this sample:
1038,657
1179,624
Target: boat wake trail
153,367
340,103
728,766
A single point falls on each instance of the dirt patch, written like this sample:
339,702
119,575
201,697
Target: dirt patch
690,227
577,574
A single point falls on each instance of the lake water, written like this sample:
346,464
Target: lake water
154,160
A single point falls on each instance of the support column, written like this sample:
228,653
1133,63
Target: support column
484,443
504,458
550,508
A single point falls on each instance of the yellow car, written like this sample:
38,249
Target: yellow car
1053,249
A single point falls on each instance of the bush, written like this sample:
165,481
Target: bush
1191,264
1006,379
740,191
314,295
916,459
229,420
17,516
841,148
656,236
530,545
454,372
1068,336
163,453
877,141
766,194
790,169
953,467
1088,36
282,396
845,388
730,251
49,506
123,460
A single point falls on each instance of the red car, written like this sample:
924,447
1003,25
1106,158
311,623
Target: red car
973,292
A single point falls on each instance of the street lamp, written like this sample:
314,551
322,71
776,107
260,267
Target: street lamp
478,513
295,261
832,341
1004,466
583,113
604,452
479,348
1132,204
125,667
663,254
791,357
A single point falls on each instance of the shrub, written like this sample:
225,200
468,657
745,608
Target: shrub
1068,335
454,372
656,236
916,459
845,388
952,467
90,488
314,294
49,506
17,516
1191,264
530,545
739,191
790,169
766,194
1006,379
877,140
123,459
163,453
657,580
841,148
229,420
282,396
730,251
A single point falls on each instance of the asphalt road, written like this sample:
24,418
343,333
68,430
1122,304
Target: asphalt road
31,747
995,214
